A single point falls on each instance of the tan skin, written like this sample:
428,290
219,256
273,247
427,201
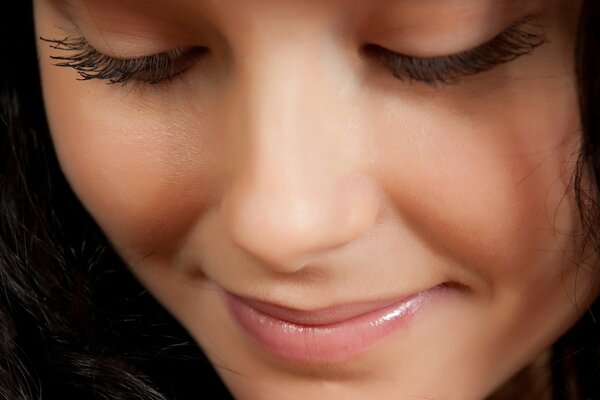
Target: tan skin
287,166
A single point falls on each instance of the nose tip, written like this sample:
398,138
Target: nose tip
283,227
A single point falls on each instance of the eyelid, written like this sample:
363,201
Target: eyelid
92,64
510,44
78,42
515,41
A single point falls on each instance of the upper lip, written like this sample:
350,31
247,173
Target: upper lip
322,316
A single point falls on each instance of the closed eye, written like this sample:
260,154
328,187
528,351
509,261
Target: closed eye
153,69
516,41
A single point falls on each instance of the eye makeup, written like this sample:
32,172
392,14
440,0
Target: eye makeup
517,40
91,64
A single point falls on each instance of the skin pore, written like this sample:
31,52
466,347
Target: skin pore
286,165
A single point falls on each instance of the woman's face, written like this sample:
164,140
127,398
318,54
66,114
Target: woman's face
327,218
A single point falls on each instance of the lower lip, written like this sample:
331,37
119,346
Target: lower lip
329,343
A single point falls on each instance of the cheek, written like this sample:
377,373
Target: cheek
143,175
488,188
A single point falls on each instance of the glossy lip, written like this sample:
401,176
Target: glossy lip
332,334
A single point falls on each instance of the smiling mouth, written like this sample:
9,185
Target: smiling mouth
332,334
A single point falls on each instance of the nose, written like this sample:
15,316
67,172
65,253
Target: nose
296,186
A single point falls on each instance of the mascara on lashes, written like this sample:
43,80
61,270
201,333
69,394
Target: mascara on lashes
91,64
514,42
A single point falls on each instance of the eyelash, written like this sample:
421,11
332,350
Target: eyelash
509,45
91,64
514,42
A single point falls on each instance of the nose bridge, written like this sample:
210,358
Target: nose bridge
290,175
290,135
286,78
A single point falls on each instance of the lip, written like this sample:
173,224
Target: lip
332,334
